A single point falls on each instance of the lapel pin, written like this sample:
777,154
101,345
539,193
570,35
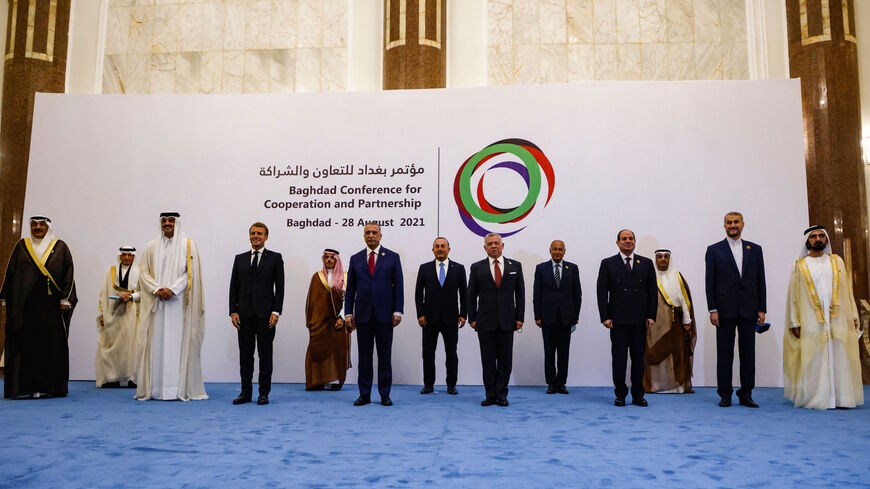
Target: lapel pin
747,247
383,254
638,262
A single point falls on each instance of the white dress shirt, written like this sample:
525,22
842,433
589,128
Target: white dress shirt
377,251
369,253
500,261
260,259
737,250
446,263
630,257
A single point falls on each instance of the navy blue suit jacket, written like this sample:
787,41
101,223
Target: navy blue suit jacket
374,297
627,298
492,307
548,300
257,293
732,295
439,303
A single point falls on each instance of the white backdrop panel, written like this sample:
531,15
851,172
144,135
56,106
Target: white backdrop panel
664,159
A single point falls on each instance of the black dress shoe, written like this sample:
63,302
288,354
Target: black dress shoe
563,389
487,402
640,402
452,390
551,389
262,400
242,399
619,402
748,402
426,390
332,387
385,401
503,402
132,384
110,385
725,403
362,401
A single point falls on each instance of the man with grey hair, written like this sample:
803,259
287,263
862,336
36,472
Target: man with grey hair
374,305
557,298
496,308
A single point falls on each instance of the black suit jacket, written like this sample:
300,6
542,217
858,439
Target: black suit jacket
732,295
257,293
627,298
439,303
377,296
557,306
496,307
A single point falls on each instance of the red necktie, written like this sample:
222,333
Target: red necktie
372,263
497,274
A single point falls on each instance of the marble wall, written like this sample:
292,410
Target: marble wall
555,41
226,46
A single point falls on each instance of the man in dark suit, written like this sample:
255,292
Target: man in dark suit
627,305
439,285
256,300
373,305
496,306
737,301
556,298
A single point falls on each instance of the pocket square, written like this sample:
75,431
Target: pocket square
512,273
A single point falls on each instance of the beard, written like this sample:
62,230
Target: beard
817,246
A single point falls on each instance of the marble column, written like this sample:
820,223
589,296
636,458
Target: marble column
35,61
823,52
415,44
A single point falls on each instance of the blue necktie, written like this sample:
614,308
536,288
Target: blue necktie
441,274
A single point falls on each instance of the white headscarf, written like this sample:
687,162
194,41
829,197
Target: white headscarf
40,245
170,255
670,280
804,251
671,272
133,278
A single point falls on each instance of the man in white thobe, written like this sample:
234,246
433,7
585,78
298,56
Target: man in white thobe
171,323
115,361
820,360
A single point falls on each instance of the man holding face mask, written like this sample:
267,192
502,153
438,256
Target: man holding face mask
117,323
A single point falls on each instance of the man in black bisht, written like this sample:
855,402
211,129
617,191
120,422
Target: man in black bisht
40,294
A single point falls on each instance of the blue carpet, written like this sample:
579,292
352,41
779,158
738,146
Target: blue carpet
103,438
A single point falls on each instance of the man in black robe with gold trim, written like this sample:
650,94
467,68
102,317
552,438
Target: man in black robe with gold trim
39,293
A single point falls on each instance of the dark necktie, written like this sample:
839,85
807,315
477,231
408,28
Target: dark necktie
628,264
255,261
372,263
557,275
497,273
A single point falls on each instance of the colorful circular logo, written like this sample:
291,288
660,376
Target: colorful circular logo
532,162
